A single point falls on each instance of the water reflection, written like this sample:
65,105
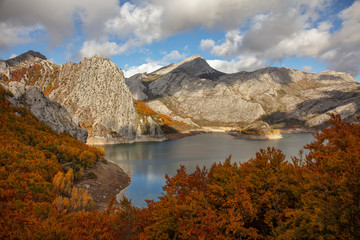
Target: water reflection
147,163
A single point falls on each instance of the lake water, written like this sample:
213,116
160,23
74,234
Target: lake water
147,163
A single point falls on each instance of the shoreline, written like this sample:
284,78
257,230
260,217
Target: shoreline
110,180
203,130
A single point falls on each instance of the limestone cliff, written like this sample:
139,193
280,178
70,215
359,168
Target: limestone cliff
93,92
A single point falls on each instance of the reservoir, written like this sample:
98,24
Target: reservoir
147,163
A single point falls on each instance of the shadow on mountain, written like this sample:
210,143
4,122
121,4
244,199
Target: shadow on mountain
334,99
281,118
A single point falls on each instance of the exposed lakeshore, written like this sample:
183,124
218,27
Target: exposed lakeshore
109,181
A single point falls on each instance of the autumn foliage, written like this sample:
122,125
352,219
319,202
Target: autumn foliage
167,124
32,161
267,197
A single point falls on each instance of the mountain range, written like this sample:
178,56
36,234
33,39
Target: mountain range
95,103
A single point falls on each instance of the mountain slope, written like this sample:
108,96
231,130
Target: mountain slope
280,96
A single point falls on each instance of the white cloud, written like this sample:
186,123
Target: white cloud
13,55
343,52
139,23
207,44
182,15
269,38
57,18
226,49
153,65
105,49
143,68
307,69
246,63
276,35
14,35
173,56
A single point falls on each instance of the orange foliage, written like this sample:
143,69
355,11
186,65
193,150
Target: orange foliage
4,78
167,123
53,82
30,156
143,109
35,74
18,74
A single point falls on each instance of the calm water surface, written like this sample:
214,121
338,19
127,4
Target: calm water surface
147,163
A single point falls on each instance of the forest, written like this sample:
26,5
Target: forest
313,196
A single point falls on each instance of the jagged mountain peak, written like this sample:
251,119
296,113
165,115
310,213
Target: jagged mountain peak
194,66
197,66
28,56
195,56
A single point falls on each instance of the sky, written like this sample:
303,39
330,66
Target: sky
144,35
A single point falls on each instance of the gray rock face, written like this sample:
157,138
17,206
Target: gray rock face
192,89
45,109
160,107
135,83
95,94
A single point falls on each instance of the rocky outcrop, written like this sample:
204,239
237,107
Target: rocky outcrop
284,97
95,94
45,109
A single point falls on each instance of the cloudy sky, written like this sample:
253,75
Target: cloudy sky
144,35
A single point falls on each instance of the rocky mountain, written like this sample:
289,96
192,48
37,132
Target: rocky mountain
194,92
93,92
92,101
23,60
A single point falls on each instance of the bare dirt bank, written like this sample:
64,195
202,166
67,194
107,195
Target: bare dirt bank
108,181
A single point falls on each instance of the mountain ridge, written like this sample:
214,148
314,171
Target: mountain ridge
240,98
185,95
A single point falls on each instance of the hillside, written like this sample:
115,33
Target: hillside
284,98
39,168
